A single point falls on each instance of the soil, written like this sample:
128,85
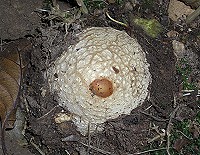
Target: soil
18,18
127,134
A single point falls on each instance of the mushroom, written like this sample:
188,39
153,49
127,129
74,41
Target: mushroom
104,75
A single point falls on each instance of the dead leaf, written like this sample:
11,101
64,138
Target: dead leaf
9,81
11,66
193,3
180,143
195,130
10,76
178,9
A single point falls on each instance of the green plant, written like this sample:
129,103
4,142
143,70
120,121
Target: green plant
94,4
180,130
185,70
119,1
183,129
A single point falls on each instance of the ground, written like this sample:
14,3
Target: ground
168,120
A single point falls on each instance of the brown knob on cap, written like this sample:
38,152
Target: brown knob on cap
101,87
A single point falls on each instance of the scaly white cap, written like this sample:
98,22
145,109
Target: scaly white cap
104,75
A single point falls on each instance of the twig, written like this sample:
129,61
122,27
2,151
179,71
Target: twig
153,150
118,22
188,92
67,152
158,109
148,108
157,119
1,45
96,149
170,125
89,138
193,15
160,135
184,135
37,148
47,113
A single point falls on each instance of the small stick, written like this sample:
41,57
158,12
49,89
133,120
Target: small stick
48,113
157,119
96,149
193,15
170,125
188,92
89,138
148,108
184,135
153,150
1,45
37,148
67,152
118,22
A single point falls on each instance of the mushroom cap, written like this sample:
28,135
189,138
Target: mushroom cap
101,53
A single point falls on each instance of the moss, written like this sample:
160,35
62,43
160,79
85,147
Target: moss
151,26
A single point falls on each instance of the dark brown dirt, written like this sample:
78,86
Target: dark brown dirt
127,134
18,18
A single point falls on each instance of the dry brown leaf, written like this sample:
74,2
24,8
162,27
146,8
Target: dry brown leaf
193,3
180,143
10,78
195,130
178,9
10,75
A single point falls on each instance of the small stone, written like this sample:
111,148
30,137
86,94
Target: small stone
62,117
